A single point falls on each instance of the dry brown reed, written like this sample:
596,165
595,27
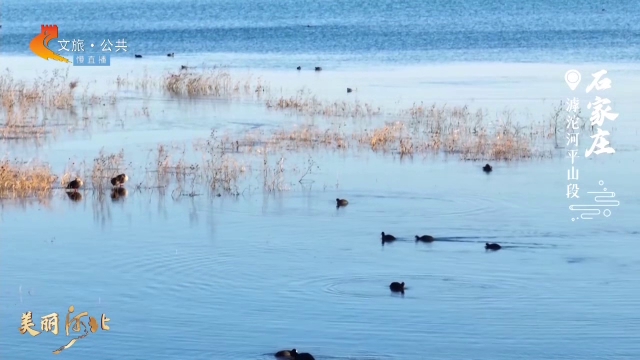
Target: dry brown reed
455,130
106,166
559,117
273,175
171,165
472,135
381,138
308,137
71,172
221,171
217,83
306,170
452,130
26,107
420,129
25,179
306,103
144,83
50,92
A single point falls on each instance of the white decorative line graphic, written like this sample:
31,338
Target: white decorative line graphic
603,198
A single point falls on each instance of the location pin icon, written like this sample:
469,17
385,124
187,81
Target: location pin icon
572,77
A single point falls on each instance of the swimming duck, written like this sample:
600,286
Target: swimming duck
397,287
299,68
138,56
425,238
304,356
341,202
492,246
75,184
387,237
119,180
170,54
286,354
349,90
487,168
318,68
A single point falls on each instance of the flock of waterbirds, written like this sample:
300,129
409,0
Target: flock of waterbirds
396,287
387,238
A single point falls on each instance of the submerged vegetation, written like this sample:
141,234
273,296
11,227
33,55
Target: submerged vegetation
222,162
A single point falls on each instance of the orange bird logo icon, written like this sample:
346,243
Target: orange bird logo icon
40,44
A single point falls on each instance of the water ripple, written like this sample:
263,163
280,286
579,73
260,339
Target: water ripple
195,271
460,206
453,288
347,357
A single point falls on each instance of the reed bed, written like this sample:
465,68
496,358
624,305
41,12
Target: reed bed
143,83
305,103
105,167
452,130
226,160
26,108
25,179
216,82
171,165
308,137
473,135
55,92
222,162
222,169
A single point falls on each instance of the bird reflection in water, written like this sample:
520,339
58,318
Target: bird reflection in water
118,193
74,196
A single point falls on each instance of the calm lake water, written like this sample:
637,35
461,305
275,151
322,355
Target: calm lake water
208,277
339,32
